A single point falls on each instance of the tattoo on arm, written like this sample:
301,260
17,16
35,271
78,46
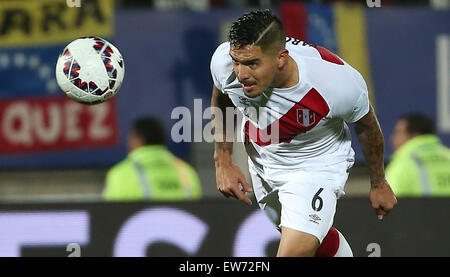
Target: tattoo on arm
224,147
220,129
372,144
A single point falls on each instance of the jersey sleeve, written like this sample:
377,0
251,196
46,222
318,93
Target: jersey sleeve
360,109
357,102
220,65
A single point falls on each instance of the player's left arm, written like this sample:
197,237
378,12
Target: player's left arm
372,144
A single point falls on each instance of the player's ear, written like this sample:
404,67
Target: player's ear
282,58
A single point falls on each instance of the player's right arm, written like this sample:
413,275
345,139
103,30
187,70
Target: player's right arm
228,175
355,108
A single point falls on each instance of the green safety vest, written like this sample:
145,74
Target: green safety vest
420,167
151,172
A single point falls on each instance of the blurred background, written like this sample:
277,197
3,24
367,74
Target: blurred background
55,153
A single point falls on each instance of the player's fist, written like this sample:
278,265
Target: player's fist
231,182
382,198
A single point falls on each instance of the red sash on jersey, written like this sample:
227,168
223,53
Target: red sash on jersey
302,117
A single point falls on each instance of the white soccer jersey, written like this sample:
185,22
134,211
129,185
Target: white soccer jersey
310,116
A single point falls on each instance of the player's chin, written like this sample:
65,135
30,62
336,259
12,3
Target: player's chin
253,92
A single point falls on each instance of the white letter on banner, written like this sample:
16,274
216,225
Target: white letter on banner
41,229
47,134
98,130
72,114
17,113
169,225
254,235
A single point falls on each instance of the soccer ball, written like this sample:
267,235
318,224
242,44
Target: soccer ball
90,70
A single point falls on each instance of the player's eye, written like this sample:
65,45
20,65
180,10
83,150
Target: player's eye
252,65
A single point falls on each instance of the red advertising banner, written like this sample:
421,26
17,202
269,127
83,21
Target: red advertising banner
55,123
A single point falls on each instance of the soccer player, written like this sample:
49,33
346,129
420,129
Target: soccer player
296,99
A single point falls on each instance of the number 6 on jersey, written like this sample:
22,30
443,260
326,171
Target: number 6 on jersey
315,199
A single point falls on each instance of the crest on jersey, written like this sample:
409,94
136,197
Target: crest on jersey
306,117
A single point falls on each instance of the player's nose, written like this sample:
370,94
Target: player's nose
242,73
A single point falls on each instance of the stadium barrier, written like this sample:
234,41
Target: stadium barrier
219,228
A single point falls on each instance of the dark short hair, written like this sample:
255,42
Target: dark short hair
261,28
150,130
418,124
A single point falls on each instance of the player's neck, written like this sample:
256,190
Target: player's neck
288,75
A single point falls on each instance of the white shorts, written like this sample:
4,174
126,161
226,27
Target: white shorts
302,200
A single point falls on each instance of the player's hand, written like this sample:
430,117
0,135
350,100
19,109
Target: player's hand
231,182
382,198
